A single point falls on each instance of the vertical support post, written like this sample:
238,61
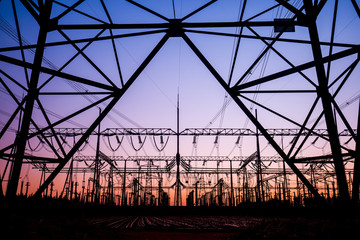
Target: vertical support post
70,180
159,193
137,192
327,191
83,189
111,185
177,183
51,189
232,201
21,188
243,189
275,189
1,189
284,191
20,142
356,177
285,181
71,189
324,94
123,200
88,193
27,189
260,186
246,186
220,186
196,193
284,170
96,185
298,187
75,192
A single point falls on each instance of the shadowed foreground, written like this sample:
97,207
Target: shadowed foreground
56,221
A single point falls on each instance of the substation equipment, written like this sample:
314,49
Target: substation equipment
177,179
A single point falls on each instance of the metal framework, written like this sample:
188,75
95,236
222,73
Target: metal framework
31,122
130,181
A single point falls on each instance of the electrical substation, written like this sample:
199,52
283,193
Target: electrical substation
290,76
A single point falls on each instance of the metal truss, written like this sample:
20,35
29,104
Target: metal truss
52,32
69,132
231,175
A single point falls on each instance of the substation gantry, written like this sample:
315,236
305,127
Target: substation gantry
327,64
207,180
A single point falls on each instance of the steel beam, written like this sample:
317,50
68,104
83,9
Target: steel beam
289,40
324,94
41,131
148,10
83,40
336,56
300,15
242,106
183,25
56,73
191,132
31,10
117,96
356,178
32,95
70,154
356,7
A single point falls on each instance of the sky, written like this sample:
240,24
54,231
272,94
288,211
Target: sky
174,73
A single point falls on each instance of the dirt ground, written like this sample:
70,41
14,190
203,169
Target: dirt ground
59,223
65,227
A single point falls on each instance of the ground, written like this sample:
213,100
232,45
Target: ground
55,221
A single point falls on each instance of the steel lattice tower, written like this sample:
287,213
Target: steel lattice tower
27,76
